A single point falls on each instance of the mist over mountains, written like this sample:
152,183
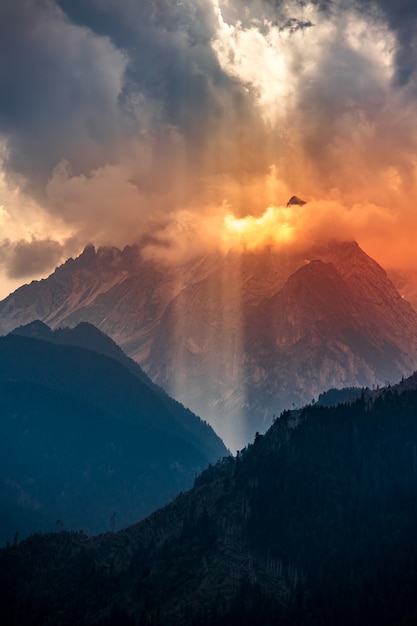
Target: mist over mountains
237,337
199,330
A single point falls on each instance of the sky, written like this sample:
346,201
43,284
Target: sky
196,120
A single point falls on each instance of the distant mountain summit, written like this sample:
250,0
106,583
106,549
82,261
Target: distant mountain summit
295,200
240,336
118,291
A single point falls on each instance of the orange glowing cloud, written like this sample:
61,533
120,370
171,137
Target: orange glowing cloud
300,226
295,227
240,106
274,226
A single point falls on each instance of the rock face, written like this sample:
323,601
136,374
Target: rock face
277,331
295,200
329,328
236,337
118,291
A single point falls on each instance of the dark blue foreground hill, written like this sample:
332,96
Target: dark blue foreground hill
314,524
87,444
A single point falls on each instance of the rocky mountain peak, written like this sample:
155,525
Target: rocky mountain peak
237,337
295,200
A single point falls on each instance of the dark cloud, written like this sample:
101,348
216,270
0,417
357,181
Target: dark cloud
82,80
60,86
23,259
123,21
167,46
401,18
171,62
112,112
293,24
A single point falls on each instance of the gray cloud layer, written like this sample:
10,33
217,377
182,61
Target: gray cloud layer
133,92
28,258
61,85
80,82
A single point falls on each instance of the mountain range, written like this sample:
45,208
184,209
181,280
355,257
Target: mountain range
237,337
87,440
313,523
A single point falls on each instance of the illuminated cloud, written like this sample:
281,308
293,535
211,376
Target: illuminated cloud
117,118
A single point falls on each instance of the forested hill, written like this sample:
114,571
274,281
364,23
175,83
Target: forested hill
86,441
315,523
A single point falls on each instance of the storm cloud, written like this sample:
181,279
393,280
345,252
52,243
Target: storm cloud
23,259
117,118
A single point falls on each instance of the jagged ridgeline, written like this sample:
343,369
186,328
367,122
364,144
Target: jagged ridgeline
314,523
87,441
236,337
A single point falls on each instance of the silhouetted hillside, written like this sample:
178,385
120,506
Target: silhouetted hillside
87,442
314,523
87,336
333,396
84,335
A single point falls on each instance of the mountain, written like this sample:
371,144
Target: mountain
276,331
121,292
314,523
87,440
338,323
83,335
237,337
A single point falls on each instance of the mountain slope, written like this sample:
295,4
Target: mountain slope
315,523
320,328
376,298
118,291
199,329
86,441
87,336
83,335
238,356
